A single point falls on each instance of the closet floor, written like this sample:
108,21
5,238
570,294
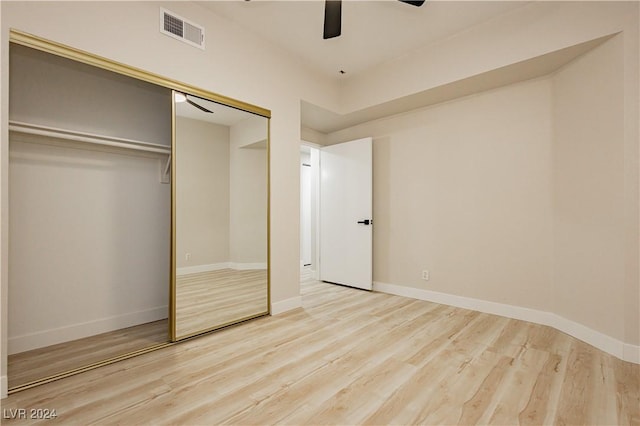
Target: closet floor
29,366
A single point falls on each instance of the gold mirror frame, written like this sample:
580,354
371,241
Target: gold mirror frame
29,40
173,326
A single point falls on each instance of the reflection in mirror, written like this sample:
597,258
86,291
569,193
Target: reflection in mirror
220,181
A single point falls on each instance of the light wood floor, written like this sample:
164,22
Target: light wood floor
29,366
354,357
210,299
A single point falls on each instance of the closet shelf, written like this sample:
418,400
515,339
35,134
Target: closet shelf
40,130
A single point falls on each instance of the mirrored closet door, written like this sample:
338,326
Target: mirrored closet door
138,211
220,202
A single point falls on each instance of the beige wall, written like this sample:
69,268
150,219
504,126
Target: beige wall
248,202
250,131
537,29
89,243
222,193
520,195
589,184
463,189
238,64
202,191
77,98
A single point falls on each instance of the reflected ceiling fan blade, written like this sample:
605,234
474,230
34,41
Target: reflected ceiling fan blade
332,18
416,3
198,106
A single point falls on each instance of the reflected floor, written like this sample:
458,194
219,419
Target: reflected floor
37,364
210,299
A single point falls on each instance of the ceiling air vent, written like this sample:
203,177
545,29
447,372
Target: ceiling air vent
179,28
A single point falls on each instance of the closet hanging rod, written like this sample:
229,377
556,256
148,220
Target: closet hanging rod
37,129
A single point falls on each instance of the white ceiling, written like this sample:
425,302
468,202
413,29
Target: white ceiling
222,114
225,116
324,121
372,31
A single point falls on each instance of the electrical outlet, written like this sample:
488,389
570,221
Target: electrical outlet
187,256
425,275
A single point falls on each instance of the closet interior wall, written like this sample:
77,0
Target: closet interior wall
89,227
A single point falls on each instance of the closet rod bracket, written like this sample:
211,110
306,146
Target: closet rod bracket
165,171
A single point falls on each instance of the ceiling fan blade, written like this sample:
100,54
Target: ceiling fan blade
332,18
416,3
198,106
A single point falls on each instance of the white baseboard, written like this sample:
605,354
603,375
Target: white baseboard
186,270
246,266
631,353
67,333
595,338
4,387
218,266
286,305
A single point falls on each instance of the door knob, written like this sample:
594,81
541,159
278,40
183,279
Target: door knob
366,222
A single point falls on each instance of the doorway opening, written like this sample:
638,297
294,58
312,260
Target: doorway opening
309,202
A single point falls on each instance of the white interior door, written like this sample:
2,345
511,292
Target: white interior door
346,225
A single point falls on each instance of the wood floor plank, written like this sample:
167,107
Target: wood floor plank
208,299
535,412
405,404
577,386
475,407
628,391
355,357
36,364
352,404
511,397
